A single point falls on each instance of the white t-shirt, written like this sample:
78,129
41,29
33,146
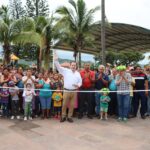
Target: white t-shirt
28,95
14,90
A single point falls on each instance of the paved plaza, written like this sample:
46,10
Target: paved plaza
83,134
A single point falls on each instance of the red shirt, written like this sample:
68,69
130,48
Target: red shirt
86,80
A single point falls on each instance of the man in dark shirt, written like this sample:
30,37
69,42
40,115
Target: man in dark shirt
141,83
88,77
101,81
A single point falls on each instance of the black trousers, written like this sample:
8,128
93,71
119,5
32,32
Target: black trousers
15,107
113,107
85,103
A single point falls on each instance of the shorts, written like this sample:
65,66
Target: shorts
104,109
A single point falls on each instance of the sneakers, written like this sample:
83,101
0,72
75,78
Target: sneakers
25,119
106,118
18,117
30,118
119,119
125,119
12,117
122,119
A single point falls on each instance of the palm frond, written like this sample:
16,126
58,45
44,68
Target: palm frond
27,37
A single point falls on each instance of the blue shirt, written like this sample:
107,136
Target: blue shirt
99,83
45,90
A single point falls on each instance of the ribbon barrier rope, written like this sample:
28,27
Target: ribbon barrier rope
77,91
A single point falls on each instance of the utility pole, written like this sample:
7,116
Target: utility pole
103,45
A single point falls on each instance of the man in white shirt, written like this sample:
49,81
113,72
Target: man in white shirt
72,81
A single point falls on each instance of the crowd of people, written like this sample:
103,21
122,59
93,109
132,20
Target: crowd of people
69,92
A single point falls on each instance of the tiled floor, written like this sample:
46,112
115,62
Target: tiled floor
81,135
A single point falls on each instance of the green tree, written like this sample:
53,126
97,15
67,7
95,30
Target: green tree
48,32
19,31
5,33
124,57
16,9
76,24
35,8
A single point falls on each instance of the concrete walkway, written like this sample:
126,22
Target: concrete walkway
81,135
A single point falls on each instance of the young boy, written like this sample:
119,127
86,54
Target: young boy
104,100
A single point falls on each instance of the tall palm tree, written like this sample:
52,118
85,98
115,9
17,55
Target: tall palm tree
76,24
19,31
46,28
5,33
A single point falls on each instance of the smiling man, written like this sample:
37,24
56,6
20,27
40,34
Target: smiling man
72,82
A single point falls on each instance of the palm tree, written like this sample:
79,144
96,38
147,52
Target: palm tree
5,33
46,28
76,24
19,31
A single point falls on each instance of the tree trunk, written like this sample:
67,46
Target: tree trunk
79,60
17,53
75,56
6,48
39,59
47,57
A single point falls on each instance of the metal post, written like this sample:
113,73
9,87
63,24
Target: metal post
103,46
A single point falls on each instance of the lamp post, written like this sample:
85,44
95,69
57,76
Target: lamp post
103,46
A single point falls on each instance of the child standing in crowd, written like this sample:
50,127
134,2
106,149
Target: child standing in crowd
104,100
4,94
56,85
28,95
14,92
57,98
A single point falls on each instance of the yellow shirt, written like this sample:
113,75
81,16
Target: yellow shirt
57,98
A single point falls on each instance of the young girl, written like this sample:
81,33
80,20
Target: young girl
4,93
57,98
104,99
28,95
56,85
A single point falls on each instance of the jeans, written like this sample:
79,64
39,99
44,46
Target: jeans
45,102
148,105
123,105
4,107
97,102
140,97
